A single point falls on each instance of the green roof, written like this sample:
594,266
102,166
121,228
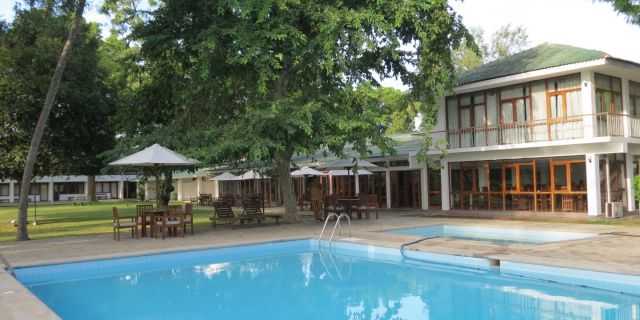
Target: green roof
544,56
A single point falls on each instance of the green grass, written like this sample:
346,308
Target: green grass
62,220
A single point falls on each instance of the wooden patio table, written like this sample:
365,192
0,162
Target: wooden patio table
156,213
347,204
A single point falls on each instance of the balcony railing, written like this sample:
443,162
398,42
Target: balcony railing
604,124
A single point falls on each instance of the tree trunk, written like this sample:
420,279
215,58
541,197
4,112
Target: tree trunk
166,188
91,188
32,156
283,163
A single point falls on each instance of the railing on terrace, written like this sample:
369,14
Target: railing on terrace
604,124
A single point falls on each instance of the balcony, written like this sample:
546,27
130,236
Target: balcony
604,124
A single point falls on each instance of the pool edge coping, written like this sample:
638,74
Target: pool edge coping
541,272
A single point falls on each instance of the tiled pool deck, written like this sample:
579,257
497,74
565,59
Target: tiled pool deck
618,252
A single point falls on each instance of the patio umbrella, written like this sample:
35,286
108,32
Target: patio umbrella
306,171
226,177
342,172
155,157
349,165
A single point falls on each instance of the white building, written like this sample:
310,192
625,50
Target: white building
551,129
71,188
554,129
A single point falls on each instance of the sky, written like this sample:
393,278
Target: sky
582,23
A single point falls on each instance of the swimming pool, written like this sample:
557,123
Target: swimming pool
500,235
296,280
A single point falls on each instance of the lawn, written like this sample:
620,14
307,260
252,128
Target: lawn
61,220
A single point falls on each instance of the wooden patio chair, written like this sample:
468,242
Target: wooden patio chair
362,206
222,212
123,223
251,211
188,216
142,222
170,221
331,205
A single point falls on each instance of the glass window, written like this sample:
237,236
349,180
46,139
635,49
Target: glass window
578,177
399,163
452,113
495,176
455,180
4,189
608,94
507,113
634,92
560,177
465,100
510,178
542,176
526,178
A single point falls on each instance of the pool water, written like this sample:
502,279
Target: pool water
295,280
497,235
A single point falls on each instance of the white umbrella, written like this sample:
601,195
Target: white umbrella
226,177
306,171
350,163
342,172
155,157
252,175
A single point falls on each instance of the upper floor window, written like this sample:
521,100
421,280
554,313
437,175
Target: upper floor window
608,94
515,104
563,97
634,96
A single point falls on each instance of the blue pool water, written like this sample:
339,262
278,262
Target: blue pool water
295,280
503,235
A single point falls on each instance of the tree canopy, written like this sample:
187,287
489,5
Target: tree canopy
506,41
263,80
79,129
629,8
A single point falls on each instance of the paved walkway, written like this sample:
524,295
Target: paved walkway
619,252
616,249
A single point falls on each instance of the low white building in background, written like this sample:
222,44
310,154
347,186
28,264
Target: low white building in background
71,188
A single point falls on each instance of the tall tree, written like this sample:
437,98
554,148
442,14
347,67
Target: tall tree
629,8
42,121
506,41
264,80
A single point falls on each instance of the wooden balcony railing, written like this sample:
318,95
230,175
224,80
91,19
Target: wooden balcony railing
604,124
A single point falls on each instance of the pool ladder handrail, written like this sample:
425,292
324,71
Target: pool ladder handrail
335,226
7,265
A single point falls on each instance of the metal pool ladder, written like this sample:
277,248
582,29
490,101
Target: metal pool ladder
337,225
8,265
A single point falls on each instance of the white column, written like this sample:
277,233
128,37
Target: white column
199,186
121,190
50,190
86,190
12,191
593,184
588,95
179,191
631,201
626,107
444,185
355,176
387,184
424,188
146,190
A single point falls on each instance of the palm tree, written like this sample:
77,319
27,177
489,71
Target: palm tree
42,122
